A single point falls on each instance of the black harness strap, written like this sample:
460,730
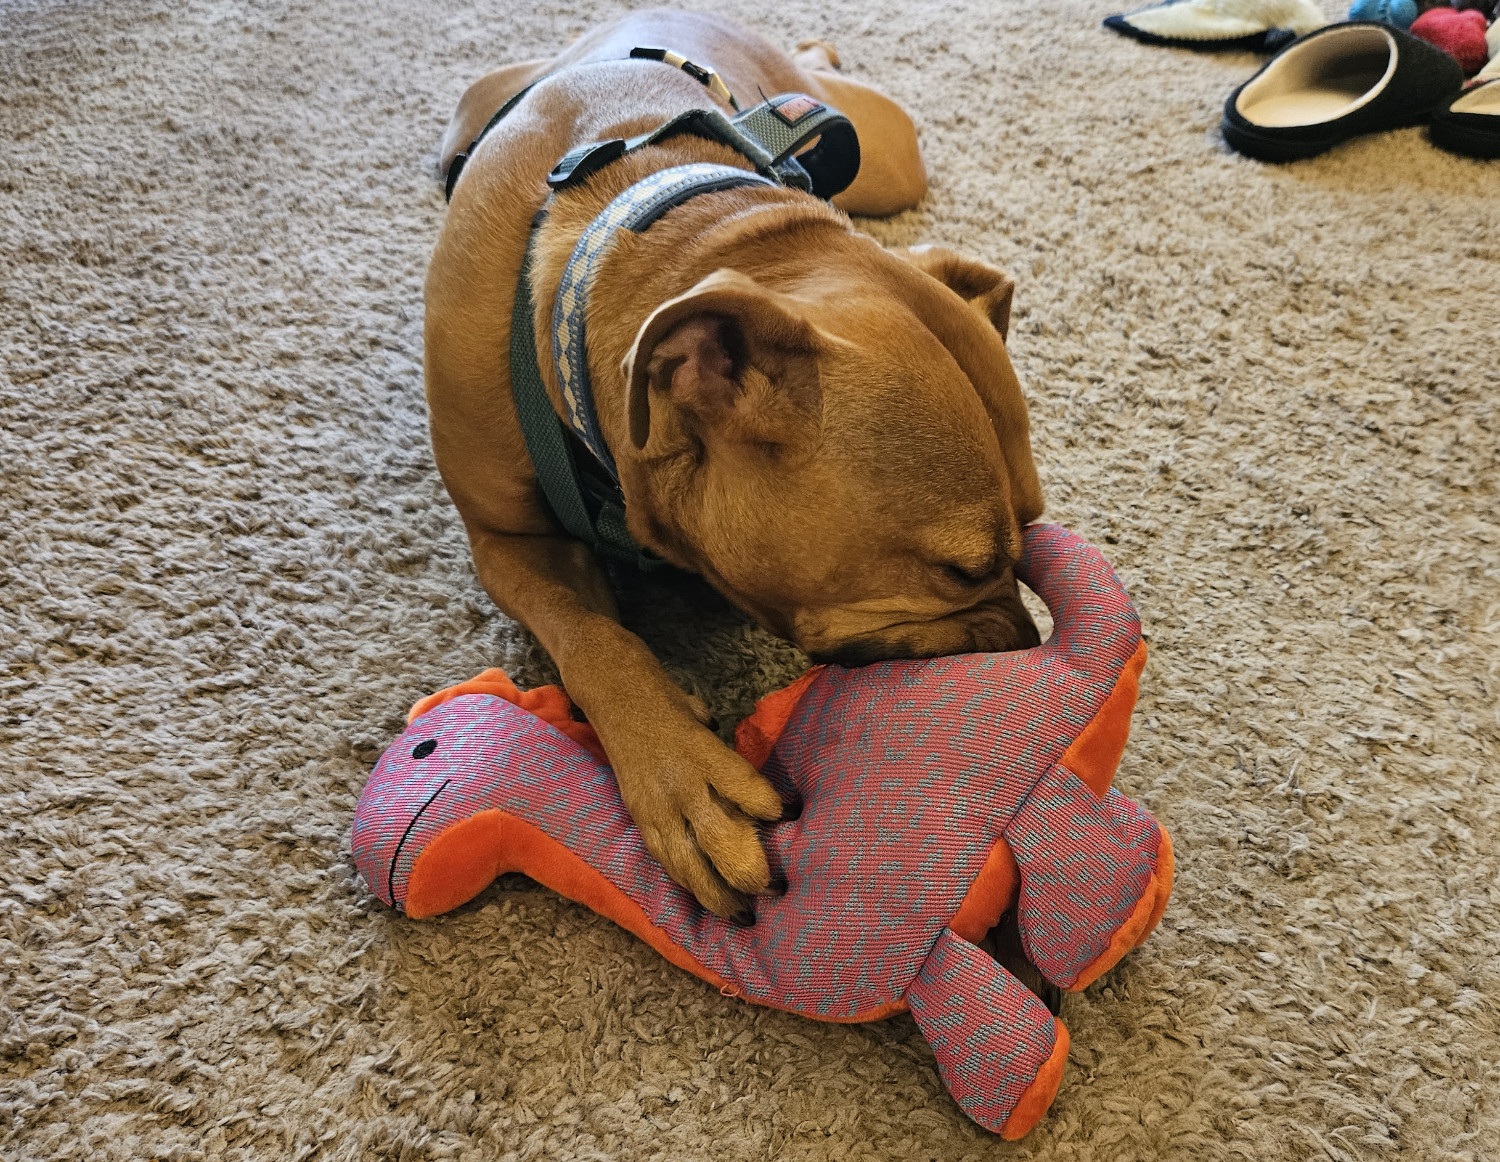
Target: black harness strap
460,160
767,135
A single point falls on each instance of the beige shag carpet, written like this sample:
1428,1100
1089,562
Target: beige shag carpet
227,566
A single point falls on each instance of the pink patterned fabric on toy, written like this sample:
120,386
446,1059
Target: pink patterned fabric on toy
935,794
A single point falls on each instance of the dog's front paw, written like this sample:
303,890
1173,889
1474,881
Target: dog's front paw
694,800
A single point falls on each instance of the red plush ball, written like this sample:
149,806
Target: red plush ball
1460,34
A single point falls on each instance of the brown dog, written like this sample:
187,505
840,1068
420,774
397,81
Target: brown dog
830,432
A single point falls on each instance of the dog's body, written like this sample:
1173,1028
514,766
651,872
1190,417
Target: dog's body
830,432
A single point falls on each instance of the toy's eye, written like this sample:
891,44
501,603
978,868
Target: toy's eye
423,749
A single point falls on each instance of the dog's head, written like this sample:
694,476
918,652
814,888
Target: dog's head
844,454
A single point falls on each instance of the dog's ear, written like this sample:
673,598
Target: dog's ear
729,362
986,288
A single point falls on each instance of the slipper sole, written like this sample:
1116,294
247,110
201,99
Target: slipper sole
1462,139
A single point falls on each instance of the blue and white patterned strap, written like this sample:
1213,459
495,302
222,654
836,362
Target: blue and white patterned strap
634,210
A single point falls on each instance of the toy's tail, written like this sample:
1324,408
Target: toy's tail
1088,900
1094,626
1095,630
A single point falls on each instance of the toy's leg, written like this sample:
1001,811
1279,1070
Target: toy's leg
999,1050
1095,877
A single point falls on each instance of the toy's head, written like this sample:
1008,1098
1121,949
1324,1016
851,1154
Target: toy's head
467,750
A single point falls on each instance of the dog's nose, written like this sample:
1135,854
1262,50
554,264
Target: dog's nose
862,653
999,629
994,627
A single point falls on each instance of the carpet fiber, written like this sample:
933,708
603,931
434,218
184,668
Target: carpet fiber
227,566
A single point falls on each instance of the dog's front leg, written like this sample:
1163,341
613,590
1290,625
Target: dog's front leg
691,796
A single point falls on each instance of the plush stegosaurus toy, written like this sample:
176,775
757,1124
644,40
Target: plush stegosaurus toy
934,796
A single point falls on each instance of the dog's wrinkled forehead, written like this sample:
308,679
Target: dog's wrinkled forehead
898,406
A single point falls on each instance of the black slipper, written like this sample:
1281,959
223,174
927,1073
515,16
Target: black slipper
1470,123
1334,84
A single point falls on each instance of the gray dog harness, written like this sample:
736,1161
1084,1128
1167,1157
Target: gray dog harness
583,491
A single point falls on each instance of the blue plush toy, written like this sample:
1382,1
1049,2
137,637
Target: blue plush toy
1396,13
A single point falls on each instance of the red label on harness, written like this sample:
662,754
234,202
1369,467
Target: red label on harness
793,109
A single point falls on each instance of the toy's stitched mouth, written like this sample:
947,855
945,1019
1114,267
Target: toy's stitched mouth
390,879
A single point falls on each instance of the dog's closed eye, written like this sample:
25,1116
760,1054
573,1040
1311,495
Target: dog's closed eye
974,571
967,576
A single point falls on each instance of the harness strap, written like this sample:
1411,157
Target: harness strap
552,458
706,77
460,160
634,210
768,135
596,516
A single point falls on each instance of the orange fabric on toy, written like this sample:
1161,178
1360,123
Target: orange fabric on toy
755,738
1094,756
